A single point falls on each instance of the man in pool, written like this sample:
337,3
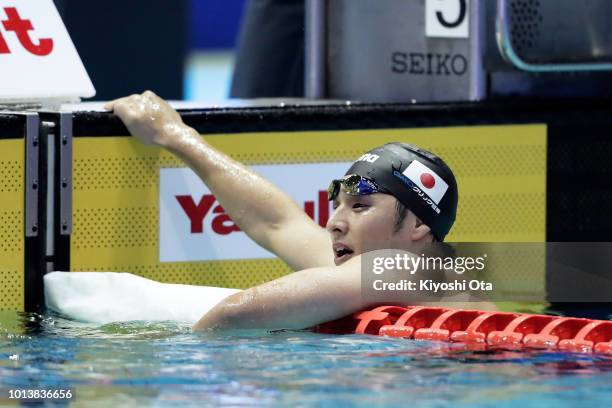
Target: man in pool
376,207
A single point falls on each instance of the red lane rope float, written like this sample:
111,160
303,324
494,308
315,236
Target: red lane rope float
477,327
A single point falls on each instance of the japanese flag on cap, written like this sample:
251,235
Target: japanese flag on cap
427,180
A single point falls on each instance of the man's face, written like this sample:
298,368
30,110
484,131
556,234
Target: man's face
365,223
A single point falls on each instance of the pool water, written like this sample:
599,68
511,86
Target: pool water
165,364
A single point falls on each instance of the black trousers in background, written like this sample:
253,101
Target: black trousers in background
270,54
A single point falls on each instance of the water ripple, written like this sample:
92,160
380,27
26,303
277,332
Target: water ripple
165,364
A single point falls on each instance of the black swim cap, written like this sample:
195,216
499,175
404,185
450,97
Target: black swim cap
417,178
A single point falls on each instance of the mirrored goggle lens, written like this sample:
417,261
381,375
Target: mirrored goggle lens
352,185
333,190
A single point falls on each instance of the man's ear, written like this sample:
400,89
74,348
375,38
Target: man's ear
420,231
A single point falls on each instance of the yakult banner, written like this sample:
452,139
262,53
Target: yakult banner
194,227
37,56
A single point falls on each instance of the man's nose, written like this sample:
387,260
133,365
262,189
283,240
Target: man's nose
337,224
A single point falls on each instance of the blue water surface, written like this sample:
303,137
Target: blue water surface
165,364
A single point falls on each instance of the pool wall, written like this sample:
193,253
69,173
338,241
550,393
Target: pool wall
511,162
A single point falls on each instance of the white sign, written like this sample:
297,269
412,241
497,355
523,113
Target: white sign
194,227
38,60
447,18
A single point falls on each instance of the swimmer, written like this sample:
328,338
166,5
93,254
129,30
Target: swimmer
376,207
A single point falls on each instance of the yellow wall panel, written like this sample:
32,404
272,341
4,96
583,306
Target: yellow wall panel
501,172
12,174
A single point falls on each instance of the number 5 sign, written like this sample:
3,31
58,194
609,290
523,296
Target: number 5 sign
38,61
447,18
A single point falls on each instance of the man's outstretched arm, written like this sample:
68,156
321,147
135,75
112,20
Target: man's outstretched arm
306,298
296,301
269,216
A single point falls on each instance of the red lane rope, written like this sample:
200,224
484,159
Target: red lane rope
477,327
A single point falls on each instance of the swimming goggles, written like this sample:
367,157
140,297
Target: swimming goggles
353,185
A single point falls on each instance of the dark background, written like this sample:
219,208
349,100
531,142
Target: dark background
130,46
